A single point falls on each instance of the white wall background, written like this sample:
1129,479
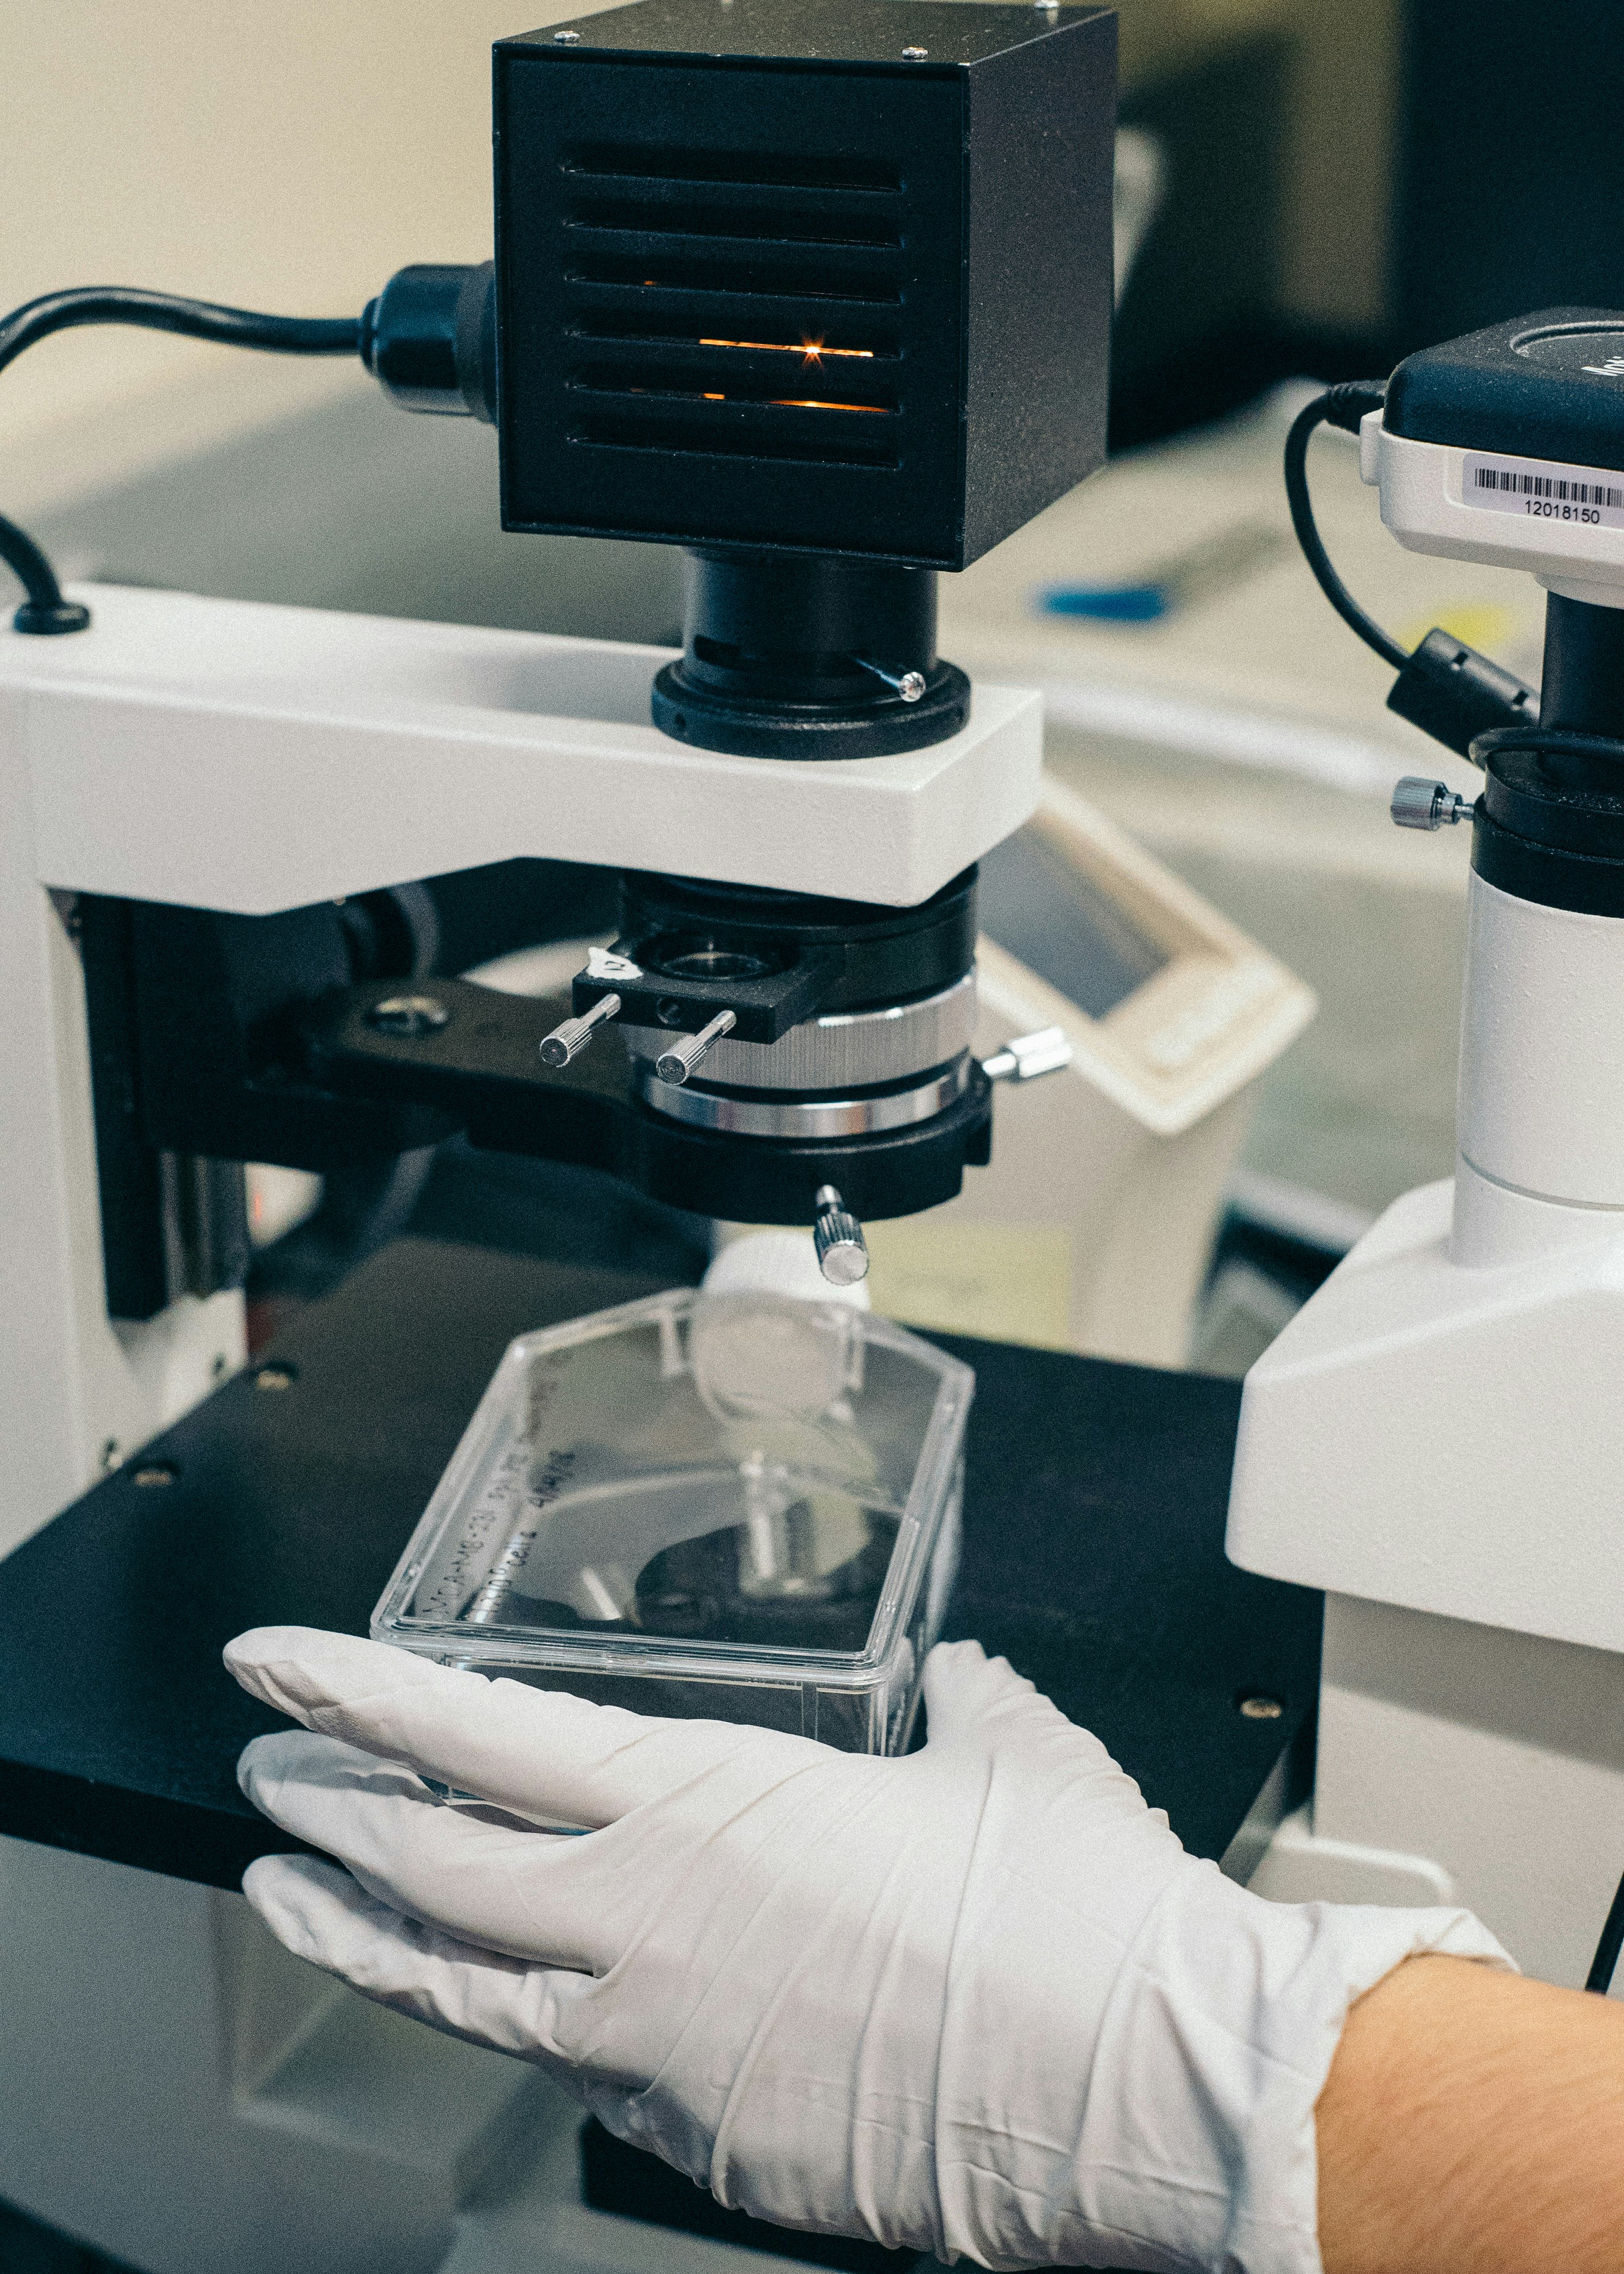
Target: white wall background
286,154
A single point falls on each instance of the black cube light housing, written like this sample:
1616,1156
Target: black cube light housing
822,286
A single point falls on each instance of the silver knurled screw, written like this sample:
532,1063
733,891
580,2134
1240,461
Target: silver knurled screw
909,55
678,1061
567,38
1421,804
1025,1057
569,1041
909,684
842,1251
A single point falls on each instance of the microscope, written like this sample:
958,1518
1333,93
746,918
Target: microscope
1434,1438
818,291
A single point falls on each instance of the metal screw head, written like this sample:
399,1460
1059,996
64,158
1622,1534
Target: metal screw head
277,1375
838,1239
911,686
915,55
152,1475
567,38
1421,804
408,1015
1260,1709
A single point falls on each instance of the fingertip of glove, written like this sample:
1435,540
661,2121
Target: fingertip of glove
293,1893
265,1760
962,1673
301,1670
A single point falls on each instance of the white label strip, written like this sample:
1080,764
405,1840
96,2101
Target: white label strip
1540,491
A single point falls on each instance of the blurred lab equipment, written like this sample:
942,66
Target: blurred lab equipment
1181,581
1096,1233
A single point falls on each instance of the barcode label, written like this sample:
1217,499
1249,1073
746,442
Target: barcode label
1539,491
1548,485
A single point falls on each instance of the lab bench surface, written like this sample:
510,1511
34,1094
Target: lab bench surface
1092,1557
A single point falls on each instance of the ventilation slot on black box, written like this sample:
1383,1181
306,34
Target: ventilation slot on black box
729,304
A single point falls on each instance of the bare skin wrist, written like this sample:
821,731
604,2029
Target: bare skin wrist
1473,2123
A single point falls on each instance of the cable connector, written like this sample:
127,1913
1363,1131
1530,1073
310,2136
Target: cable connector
1453,694
1350,401
429,339
1446,687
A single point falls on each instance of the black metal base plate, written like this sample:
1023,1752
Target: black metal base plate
1093,1556
689,713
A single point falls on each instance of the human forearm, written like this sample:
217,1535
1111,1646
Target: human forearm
1473,2123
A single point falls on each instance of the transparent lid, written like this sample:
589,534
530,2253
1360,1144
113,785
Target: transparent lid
740,1479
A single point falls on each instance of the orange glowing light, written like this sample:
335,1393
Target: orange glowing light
789,402
809,350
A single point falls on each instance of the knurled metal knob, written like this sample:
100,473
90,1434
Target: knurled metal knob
567,1040
1421,804
676,1063
838,1236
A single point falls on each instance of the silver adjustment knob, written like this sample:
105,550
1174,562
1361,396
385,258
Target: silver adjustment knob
1419,804
569,1041
1025,1057
676,1063
842,1251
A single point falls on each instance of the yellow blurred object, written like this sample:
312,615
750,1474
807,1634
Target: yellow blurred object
1008,1283
1482,624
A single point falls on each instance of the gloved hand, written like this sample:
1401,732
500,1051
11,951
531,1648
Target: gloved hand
976,2001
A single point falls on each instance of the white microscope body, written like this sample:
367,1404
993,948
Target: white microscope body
1436,1439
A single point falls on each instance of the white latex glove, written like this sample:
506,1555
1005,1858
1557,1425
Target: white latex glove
977,2000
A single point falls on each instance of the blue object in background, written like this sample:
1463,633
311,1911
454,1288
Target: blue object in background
1210,566
1107,604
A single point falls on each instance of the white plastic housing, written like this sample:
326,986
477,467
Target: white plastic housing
1446,1438
1538,521
1541,1107
225,754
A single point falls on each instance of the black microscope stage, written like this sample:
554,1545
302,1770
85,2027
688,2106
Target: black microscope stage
1092,1557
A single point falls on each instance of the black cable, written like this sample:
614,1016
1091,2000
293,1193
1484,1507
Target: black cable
164,311
1604,1964
45,610
1561,740
1340,406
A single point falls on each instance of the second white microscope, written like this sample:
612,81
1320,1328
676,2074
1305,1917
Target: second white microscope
1436,1439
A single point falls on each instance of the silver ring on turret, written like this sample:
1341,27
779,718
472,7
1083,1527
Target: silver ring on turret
738,1114
843,1052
